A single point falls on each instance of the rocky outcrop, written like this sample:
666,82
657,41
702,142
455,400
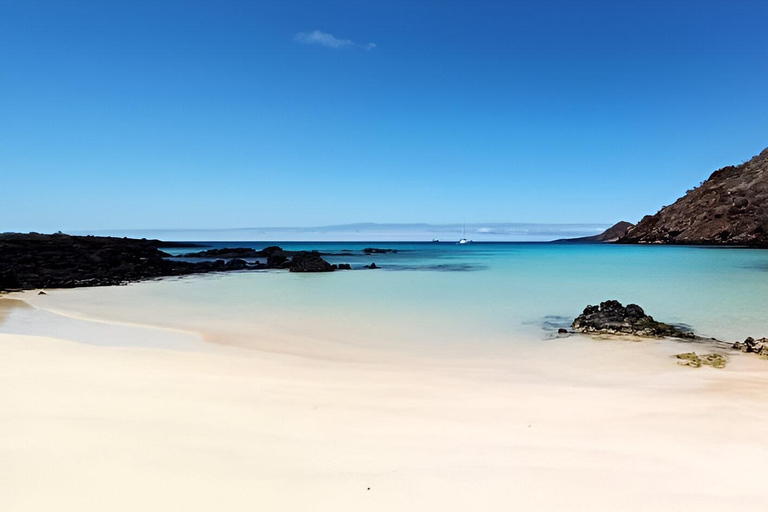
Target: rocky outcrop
275,256
753,346
729,208
276,259
612,234
9,280
306,261
611,317
224,253
235,264
29,261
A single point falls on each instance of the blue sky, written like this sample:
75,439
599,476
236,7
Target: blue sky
191,114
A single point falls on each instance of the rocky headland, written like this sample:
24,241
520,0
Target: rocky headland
729,208
62,261
32,261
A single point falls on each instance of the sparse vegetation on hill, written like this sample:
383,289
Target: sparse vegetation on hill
729,208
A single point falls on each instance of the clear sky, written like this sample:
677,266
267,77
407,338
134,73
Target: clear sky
223,114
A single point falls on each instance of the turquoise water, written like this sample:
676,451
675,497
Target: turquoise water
433,295
492,290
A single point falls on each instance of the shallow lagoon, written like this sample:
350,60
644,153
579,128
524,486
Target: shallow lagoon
429,295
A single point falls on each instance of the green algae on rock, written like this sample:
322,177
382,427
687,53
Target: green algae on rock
696,361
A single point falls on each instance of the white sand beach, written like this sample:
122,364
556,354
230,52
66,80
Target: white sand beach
306,256
571,424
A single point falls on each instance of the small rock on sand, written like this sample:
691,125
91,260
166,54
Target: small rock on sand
696,361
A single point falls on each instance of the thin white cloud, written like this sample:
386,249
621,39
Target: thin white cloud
328,40
322,38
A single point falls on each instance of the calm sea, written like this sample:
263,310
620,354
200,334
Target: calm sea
489,290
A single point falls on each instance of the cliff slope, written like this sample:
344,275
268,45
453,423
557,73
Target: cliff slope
727,209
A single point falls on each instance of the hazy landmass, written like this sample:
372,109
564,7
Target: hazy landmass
492,232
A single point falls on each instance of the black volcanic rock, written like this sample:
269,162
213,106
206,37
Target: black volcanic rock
235,264
225,253
8,279
276,259
612,234
306,261
272,249
63,261
729,208
753,346
177,245
275,255
613,318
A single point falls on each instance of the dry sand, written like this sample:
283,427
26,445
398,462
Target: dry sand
572,424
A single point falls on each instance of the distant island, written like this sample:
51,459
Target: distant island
612,234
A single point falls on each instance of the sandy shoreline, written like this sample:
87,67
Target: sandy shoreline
573,424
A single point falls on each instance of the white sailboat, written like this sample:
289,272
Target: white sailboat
463,235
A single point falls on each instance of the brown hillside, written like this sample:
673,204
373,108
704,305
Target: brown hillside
727,209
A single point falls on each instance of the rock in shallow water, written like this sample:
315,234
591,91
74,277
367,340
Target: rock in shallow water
376,250
235,264
611,317
276,257
225,253
305,261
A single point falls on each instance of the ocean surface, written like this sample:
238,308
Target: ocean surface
432,296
